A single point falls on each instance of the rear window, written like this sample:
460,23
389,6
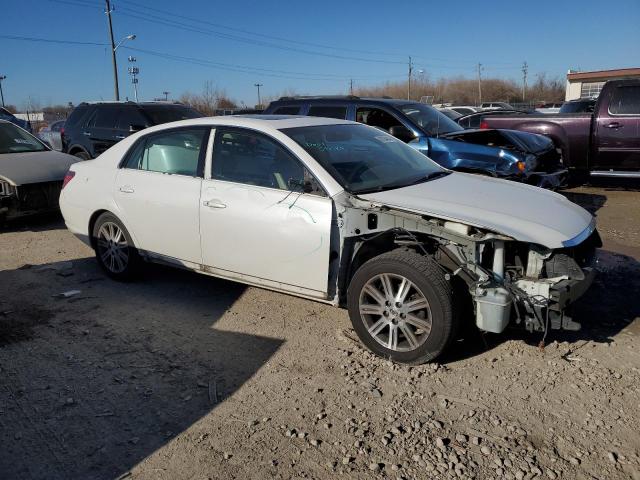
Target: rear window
77,115
625,101
290,110
159,114
328,111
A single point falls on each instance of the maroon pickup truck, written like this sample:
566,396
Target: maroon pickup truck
604,143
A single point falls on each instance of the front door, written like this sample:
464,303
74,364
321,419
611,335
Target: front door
617,140
263,219
158,193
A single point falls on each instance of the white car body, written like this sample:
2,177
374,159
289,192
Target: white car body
297,243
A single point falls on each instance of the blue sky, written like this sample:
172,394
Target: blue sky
301,45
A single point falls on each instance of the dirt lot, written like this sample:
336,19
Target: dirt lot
185,376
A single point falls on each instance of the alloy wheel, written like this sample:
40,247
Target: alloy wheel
395,312
113,247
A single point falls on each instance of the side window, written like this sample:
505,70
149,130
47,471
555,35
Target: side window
625,101
77,114
328,111
290,110
131,117
254,159
176,152
376,117
105,117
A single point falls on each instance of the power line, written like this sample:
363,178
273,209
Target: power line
207,63
51,40
241,68
162,19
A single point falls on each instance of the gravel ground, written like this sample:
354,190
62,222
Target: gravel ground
184,376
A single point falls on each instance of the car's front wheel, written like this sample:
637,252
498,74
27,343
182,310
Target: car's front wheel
400,305
114,248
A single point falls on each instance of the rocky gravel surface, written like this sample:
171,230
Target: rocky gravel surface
184,376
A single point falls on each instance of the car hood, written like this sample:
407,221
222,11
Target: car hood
524,141
34,167
522,212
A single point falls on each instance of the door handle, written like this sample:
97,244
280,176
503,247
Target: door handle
214,204
86,134
614,125
120,137
126,189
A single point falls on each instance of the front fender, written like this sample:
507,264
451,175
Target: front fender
470,157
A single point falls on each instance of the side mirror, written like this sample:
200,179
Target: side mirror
136,128
402,133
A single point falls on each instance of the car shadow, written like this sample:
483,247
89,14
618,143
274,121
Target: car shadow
34,223
608,307
92,384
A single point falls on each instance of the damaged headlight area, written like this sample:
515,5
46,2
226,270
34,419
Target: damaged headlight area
18,201
531,285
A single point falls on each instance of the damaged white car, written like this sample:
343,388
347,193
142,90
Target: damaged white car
341,213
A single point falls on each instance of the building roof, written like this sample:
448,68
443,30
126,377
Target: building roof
604,74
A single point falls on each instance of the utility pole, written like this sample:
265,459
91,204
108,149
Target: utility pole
258,85
113,51
351,86
525,70
479,84
409,82
166,95
2,77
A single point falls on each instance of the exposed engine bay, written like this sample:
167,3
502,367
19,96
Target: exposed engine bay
508,281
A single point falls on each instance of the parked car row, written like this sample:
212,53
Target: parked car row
512,155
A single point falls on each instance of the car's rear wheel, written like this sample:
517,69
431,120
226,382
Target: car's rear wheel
82,155
114,248
400,305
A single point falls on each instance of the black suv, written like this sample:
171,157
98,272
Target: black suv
94,127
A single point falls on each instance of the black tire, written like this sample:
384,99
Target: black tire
82,155
117,256
429,283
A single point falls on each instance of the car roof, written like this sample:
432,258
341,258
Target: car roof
258,122
348,100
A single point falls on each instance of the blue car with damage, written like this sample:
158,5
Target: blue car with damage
510,154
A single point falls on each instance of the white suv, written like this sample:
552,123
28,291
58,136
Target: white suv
337,212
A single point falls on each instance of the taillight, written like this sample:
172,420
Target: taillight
68,177
62,131
484,125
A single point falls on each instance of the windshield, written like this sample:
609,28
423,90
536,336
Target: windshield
170,113
432,121
364,159
16,140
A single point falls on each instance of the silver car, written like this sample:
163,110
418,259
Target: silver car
31,174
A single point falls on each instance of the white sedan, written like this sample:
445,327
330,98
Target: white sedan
337,212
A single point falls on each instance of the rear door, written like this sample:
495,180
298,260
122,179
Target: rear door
617,130
258,222
101,128
158,192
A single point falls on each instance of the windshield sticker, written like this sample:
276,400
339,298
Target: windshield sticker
324,147
20,140
385,139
